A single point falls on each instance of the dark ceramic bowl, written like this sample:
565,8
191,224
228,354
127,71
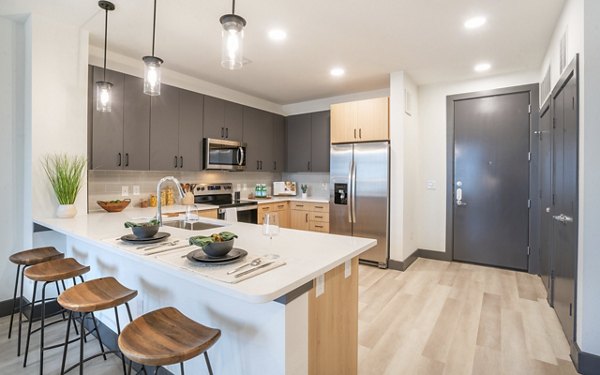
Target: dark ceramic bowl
145,231
218,249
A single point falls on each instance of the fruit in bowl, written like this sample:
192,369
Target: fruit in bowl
116,205
144,230
216,245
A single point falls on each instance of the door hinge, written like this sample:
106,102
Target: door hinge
528,250
553,122
528,203
529,156
552,275
529,108
553,199
570,309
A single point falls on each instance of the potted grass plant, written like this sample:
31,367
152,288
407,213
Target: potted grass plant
66,175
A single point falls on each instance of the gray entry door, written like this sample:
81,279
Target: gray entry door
491,180
564,210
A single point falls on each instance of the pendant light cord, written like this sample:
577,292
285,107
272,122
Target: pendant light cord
105,40
233,7
154,28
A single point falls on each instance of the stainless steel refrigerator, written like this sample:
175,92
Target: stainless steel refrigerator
359,195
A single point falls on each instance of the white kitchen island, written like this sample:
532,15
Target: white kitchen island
273,323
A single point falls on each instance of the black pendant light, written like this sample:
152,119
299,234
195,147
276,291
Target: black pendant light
103,88
232,48
152,66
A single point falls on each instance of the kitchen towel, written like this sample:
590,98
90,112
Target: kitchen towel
231,214
218,272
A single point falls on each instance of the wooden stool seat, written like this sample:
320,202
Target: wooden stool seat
95,295
164,337
56,270
35,256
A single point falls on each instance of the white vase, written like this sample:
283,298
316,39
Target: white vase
65,211
304,195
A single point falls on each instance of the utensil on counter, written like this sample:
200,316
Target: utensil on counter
254,262
172,243
157,251
253,269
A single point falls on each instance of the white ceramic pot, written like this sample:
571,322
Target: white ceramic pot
65,211
304,195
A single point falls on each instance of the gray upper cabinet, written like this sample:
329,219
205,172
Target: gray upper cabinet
320,142
278,143
298,129
258,136
120,138
164,129
191,109
308,142
222,119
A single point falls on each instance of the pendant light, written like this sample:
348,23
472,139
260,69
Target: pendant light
232,48
152,66
103,88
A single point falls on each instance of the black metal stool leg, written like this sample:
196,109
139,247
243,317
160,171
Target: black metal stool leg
156,370
208,363
99,337
29,325
64,358
81,343
43,317
182,369
14,304
119,333
21,311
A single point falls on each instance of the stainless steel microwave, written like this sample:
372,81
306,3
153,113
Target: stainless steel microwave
220,154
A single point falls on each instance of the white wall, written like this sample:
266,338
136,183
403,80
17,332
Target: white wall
431,151
324,103
56,79
588,329
12,60
135,67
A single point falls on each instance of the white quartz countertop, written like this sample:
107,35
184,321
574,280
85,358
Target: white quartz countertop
289,199
307,254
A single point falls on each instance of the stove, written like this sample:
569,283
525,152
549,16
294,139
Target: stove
221,195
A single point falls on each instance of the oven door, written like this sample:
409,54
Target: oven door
220,154
245,214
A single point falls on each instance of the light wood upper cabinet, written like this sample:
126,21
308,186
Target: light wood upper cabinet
360,121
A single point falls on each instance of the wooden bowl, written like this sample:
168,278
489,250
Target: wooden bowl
114,206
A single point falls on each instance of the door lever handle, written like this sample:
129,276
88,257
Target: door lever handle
563,218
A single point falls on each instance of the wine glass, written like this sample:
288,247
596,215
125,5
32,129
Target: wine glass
270,226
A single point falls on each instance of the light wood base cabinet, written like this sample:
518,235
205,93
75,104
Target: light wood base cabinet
280,208
310,216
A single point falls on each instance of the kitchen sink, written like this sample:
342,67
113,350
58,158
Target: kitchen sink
190,225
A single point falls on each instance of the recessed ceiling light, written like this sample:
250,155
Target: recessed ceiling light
475,22
337,72
277,35
482,67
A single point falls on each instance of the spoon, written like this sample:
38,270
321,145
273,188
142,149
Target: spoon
255,262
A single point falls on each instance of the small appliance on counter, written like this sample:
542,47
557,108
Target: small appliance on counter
284,188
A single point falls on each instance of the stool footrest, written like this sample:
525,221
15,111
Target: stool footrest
92,357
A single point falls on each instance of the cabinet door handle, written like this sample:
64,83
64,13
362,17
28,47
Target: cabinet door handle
275,165
261,165
257,165
306,217
308,166
120,159
222,132
127,159
226,132
175,161
181,162
354,133
360,133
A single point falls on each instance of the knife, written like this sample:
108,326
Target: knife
253,269
167,249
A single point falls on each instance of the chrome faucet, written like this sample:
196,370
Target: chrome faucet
159,203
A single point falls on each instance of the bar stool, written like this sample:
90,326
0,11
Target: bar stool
86,298
49,272
25,259
165,337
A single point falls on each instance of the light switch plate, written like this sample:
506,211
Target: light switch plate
431,185
320,285
124,191
347,268
136,189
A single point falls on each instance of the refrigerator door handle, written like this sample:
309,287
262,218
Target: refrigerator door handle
353,192
350,191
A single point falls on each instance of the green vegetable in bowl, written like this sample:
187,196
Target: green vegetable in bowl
131,224
202,241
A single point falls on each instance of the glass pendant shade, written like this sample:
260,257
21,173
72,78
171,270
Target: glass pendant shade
152,75
103,96
232,49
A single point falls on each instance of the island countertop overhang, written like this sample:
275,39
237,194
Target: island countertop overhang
307,254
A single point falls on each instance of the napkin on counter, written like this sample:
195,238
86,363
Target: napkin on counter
218,272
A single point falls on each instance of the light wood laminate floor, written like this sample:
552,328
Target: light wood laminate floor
455,318
435,318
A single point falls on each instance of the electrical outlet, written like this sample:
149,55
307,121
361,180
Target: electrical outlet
124,191
136,189
320,285
347,268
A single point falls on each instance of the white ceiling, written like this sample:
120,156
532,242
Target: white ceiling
425,38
